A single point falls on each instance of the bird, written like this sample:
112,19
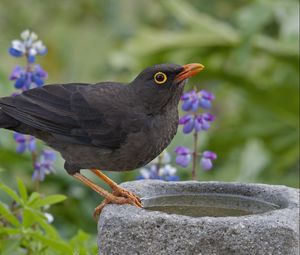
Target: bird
110,126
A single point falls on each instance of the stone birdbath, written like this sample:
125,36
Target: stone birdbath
203,218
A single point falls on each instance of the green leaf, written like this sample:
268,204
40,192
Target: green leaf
22,190
29,218
11,193
10,246
11,231
49,200
5,213
41,219
55,244
81,236
33,197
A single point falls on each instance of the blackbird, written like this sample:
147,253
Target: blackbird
109,125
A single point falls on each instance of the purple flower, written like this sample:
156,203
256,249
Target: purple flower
202,121
26,78
24,142
38,75
15,53
44,165
188,123
207,95
21,142
16,73
31,143
23,79
183,157
198,122
190,101
49,155
205,99
206,160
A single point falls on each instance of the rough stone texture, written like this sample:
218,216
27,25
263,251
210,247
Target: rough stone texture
129,230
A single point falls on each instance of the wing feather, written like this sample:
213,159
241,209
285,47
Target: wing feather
97,115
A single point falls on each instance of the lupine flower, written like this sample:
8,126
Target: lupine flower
148,173
159,169
206,160
205,98
183,157
44,165
202,121
192,100
195,122
28,46
168,173
24,142
164,158
188,123
28,77
24,78
38,75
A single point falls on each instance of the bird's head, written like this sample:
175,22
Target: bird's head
162,85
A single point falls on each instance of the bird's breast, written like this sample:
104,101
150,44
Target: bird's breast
143,146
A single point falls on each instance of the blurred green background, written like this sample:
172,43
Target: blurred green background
251,52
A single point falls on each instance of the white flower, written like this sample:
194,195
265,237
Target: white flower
25,34
164,158
167,170
49,217
145,173
29,44
18,45
39,47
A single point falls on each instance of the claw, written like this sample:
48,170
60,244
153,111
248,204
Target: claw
119,191
120,196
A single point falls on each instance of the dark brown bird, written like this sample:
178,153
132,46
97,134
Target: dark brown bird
109,125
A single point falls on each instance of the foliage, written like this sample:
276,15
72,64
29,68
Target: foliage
25,228
251,52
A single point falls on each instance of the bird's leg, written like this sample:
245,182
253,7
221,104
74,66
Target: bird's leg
109,198
117,190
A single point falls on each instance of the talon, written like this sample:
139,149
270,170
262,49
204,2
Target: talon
132,200
100,207
118,191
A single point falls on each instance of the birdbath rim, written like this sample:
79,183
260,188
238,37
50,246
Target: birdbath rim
283,197
140,231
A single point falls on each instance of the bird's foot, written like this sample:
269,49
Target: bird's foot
120,196
121,192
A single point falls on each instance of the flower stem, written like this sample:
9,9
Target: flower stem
33,153
194,155
34,159
159,163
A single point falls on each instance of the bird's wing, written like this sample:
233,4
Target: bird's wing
99,115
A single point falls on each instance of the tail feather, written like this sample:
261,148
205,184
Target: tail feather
6,121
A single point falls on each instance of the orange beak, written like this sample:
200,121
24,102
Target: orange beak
189,70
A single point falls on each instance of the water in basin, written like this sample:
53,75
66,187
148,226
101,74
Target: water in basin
208,204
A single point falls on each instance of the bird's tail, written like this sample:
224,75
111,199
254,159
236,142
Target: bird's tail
6,121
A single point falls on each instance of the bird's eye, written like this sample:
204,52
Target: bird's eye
160,78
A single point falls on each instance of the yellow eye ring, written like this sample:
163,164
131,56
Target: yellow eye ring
160,78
